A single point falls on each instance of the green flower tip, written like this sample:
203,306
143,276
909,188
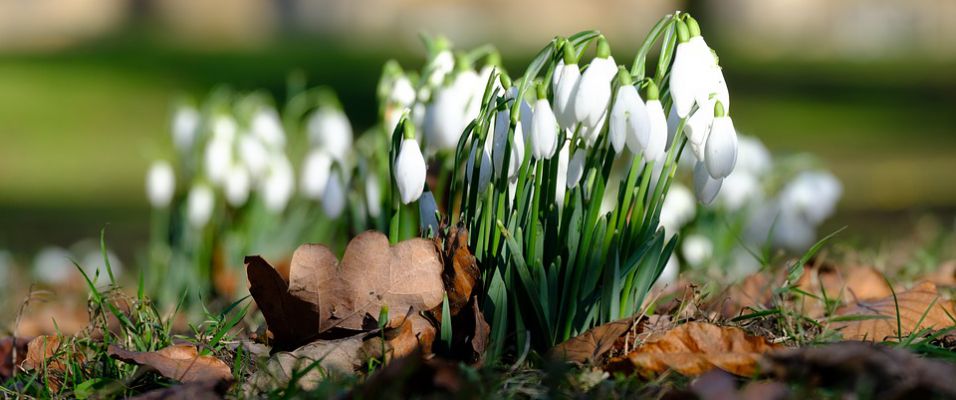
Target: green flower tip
505,80
570,56
623,76
692,27
441,43
494,59
461,62
603,47
719,109
652,92
542,89
409,129
683,33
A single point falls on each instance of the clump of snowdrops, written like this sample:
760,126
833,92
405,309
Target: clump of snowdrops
559,174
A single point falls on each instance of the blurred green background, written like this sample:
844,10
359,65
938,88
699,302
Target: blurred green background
86,88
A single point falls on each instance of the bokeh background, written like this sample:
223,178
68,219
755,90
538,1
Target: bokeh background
87,87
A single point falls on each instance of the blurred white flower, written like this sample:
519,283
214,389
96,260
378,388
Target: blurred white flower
92,263
373,195
544,131
199,205
428,211
267,127
410,171
329,129
500,140
678,209
705,187
53,266
279,183
185,126
160,184
403,93
752,156
237,185
219,157
697,249
333,198
254,155
576,167
441,65
445,118
224,127
564,92
812,195
721,150
315,174
739,189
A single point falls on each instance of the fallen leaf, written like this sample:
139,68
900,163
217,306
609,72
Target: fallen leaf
323,293
945,275
919,308
12,352
325,357
40,352
470,334
887,372
414,335
694,348
593,344
179,362
460,274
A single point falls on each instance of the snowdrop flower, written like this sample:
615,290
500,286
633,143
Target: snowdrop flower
593,91
333,198
654,141
484,169
619,169
409,168
52,266
468,84
237,186
428,210
403,93
315,174
562,178
543,135
373,195
812,195
705,186
576,168
92,262
254,155
721,150
698,128
792,232
566,77
267,127
500,140
739,189
752,156
218,156
697,249
441,65
185,125
199,205
692,74
445,118
629,117
673,120
279,183
160,184
329,129
678,209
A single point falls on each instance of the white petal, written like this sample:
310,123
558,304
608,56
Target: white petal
544,131
564,93
576,168
333,200
562,178
697,249
218,158
657,136
199,205
617,125
403,93
254,155
373,196
267,126
237,186
315,174
279,184
410,171
705,187
639,123
330,130
185,127
594,91
683,79
160,184
721,151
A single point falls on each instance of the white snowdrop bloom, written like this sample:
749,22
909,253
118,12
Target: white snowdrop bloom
199,205
698,128
254,154
576,167
267,127
692,74
721,151
218,158
237,186
410,170
224,127
792,232
467,84
403,93
445,118
373,196
185,126
441,65
591,133
670,273
740,189
562,176
543,137
811,194
619,169
752,156
484,169
428,211
657,133
279,184
705,187
160,184
500,140
53,266
697,249
329,129
315,174
594,88
564,93
673,121
92,263
629,119
678,209
333,197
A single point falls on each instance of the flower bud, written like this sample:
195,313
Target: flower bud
705,187
333,198
410,170
199,205
236,186
721,151
373,195
185,126
267,126
315,174
279,184
329,129
160,184
544,131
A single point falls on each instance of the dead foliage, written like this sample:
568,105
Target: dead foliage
919,308
179,362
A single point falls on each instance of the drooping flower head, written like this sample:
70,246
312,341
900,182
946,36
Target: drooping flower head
409,167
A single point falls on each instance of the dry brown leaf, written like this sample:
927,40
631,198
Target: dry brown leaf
415,335
180,362
40,351
9,347
945,275
460,274
339,356
347,294
919,308
592,345
694,348
890,373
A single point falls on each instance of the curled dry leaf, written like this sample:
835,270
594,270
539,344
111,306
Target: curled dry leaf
460,274
325,357
592,345
470,334
40,352
919,308
694,348
889,373
322,293
415,335
180,362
